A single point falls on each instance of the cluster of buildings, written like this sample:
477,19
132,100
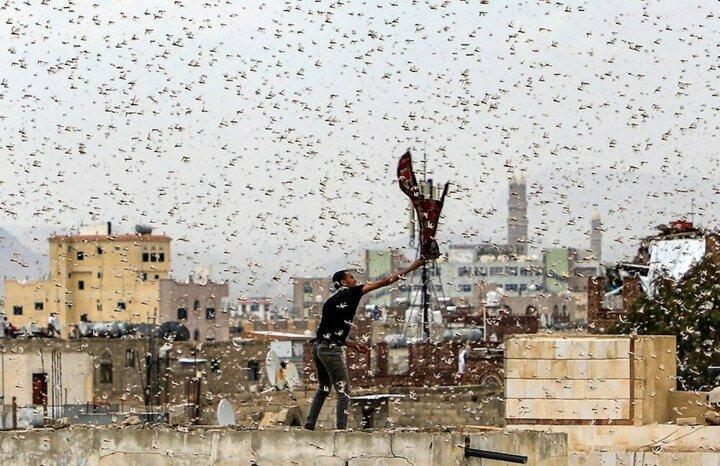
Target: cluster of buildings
99,279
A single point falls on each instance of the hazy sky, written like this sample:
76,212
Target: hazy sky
264,136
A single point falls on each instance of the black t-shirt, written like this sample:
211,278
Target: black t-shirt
338,313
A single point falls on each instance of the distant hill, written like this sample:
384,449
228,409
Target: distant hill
19,261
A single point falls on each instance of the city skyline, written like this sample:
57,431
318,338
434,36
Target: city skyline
265,138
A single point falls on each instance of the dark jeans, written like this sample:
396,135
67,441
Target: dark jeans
331,371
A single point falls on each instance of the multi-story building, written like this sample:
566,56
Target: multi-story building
567,269
488,264
95,275
378,264
199,306
309,294
517,221
260,308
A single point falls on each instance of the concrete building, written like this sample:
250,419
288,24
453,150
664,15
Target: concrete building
260,308
491,266
380,263
517,222
201,307
94,275
553,310
309,294
568,269
43,378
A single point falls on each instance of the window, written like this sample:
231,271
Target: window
480,271
465,288
307,289
196,305
253,370
99,275
129,358
121,305
39,306
81,285
181,313
210,335
512,271
463,271
210,313
80,255
145,257
157,277
196,335
98,306
161,257
99,251
496,270
17,310
511,287
106,368
153,257
144,276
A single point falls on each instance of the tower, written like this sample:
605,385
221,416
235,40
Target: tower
517,215
596,235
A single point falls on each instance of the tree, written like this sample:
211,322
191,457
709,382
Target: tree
688,309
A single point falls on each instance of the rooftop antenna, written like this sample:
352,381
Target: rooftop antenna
427,186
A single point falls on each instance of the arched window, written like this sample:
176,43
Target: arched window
530,310
307,289
181,313
210,335
210,309
106,368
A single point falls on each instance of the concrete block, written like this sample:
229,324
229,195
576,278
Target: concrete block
563,349
378,461
559,368
515,388
357,444
278,446
230,448
415,447
577,369
544,369
580,349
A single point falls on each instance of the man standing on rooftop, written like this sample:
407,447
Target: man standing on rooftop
328,352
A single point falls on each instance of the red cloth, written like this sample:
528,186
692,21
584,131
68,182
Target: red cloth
427,209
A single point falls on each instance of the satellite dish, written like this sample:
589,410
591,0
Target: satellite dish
225,413
272,364
292,377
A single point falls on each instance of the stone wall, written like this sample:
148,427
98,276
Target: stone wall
158,446
654,444
589,379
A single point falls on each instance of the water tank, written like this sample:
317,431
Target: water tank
143,229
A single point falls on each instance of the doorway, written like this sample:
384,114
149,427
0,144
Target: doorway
39,389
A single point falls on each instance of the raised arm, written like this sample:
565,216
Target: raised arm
392,278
